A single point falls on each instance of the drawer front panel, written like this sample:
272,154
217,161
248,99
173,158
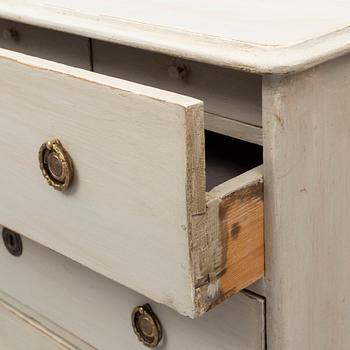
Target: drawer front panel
126,213
19,331
98,310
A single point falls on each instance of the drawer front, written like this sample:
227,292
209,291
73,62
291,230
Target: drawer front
19,331
137,210
98,310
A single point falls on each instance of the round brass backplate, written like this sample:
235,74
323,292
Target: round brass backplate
146,326
56,165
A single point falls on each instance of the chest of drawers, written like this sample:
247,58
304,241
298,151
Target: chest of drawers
189,157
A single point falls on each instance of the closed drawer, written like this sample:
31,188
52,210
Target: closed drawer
19,331
45,43
137,210
98,311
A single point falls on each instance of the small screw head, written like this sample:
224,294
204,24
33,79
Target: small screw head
178,70
12,241
10,34
146,326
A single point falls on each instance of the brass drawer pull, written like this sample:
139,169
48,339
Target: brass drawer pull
146,326
56,165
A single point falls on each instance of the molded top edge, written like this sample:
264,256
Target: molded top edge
259,37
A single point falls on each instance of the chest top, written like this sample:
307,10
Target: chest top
260,36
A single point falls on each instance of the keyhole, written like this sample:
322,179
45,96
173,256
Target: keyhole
12,241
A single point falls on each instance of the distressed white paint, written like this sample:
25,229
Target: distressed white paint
98,310
127,211
19,331
261,36
307,192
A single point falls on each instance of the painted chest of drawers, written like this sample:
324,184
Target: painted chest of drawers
174,175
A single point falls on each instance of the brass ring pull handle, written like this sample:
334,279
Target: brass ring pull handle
146,326
56,165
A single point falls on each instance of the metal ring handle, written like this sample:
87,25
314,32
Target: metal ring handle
56,165
146,326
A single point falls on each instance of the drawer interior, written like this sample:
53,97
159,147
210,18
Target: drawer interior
232,99
227,158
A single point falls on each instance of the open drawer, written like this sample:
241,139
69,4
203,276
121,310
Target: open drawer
136,209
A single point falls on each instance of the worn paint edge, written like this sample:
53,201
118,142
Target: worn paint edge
210,244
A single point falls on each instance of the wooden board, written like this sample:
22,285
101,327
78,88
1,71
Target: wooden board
234,256
98,310
19,331
260,36
307,138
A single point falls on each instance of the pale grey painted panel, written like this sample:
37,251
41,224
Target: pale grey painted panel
44,43
20,332
132,150
98,310
307,214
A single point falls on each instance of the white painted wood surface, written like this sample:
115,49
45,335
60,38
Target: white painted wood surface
307,191
40,42
19,331
233,128
269,36
98,310
126,215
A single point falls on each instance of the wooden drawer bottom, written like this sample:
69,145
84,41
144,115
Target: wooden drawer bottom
97,310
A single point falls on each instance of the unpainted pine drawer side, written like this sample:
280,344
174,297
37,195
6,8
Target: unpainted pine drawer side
230,255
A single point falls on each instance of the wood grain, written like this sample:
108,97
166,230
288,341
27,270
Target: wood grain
242,222
234,255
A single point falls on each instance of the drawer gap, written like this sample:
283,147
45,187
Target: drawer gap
227,158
